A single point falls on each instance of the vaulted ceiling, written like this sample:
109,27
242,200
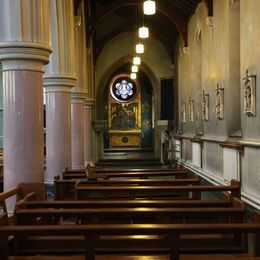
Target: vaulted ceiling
108,18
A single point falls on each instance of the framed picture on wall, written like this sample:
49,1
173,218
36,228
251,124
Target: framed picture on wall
219,103
249,86
205,106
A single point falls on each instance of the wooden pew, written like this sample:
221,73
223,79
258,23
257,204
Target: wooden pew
30,203
65,189
169,235
143,182
32,190
93,169
121,169
182,173
3,219
225,201
123,203
129,215
133,192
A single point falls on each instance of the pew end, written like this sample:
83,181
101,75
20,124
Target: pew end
38,188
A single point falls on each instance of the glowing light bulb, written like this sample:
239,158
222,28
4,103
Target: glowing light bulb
149,7
133,75
139,48
136,60
143,32
134,68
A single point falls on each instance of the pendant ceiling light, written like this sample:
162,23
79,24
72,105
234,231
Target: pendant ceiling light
134,68
143,32
136,60
133,75
149,7
139,48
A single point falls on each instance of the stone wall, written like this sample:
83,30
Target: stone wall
220,50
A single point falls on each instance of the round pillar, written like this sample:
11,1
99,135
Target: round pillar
77,130
58,124
23,111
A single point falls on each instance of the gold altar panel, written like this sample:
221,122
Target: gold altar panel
125,140
125,121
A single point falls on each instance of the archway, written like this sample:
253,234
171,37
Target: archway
150,102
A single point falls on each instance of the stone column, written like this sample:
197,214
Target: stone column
58,124
24,49
79,93
88,131
60,77
77,130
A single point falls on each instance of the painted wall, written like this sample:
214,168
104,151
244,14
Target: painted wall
155,55
220,54
250,59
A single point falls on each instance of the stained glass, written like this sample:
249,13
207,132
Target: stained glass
123,89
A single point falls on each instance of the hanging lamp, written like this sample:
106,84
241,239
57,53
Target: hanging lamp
149,7
133,75
143,32
135,68
136,60
139,48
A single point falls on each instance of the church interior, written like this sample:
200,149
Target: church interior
129,129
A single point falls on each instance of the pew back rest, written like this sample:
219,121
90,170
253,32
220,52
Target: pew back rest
90,232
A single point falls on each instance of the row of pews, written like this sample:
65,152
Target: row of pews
119,211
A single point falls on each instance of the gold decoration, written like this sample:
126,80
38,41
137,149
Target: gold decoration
124,122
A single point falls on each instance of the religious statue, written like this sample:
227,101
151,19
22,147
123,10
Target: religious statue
219,102
205,106
249,94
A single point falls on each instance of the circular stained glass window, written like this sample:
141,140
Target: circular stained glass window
123,89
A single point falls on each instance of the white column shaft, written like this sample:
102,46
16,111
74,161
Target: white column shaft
58,133
23,127
77,133
88,135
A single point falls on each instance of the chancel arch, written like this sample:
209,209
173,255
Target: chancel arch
146,114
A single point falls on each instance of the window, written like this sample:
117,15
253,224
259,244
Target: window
123,89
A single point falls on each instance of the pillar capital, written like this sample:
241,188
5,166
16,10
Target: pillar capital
27,56
78,97
58,82
89,102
